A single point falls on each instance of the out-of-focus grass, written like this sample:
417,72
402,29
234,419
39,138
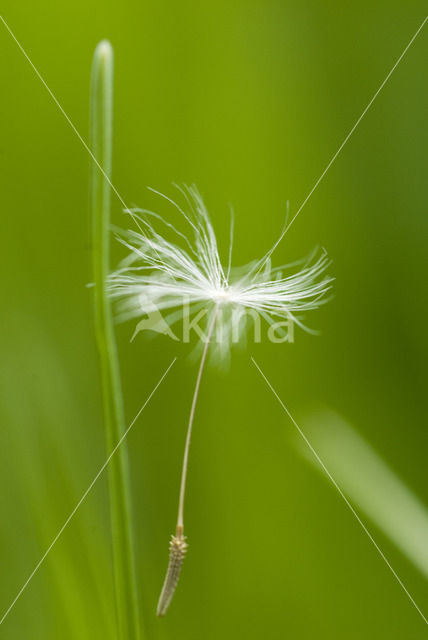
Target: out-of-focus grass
371,484
249,100
50,468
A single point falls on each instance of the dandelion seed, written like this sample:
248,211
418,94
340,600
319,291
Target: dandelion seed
167,277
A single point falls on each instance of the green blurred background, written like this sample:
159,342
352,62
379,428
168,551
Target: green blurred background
248,99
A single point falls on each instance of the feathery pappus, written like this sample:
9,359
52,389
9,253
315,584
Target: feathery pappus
187,276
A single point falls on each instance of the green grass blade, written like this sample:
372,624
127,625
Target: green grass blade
120,503
372,485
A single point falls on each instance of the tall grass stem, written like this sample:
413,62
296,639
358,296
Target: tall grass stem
101,138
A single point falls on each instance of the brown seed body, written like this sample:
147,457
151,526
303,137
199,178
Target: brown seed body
177,552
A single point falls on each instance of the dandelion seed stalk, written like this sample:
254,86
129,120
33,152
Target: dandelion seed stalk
101,127
178,545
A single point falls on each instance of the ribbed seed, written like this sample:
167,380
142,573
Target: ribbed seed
177,553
